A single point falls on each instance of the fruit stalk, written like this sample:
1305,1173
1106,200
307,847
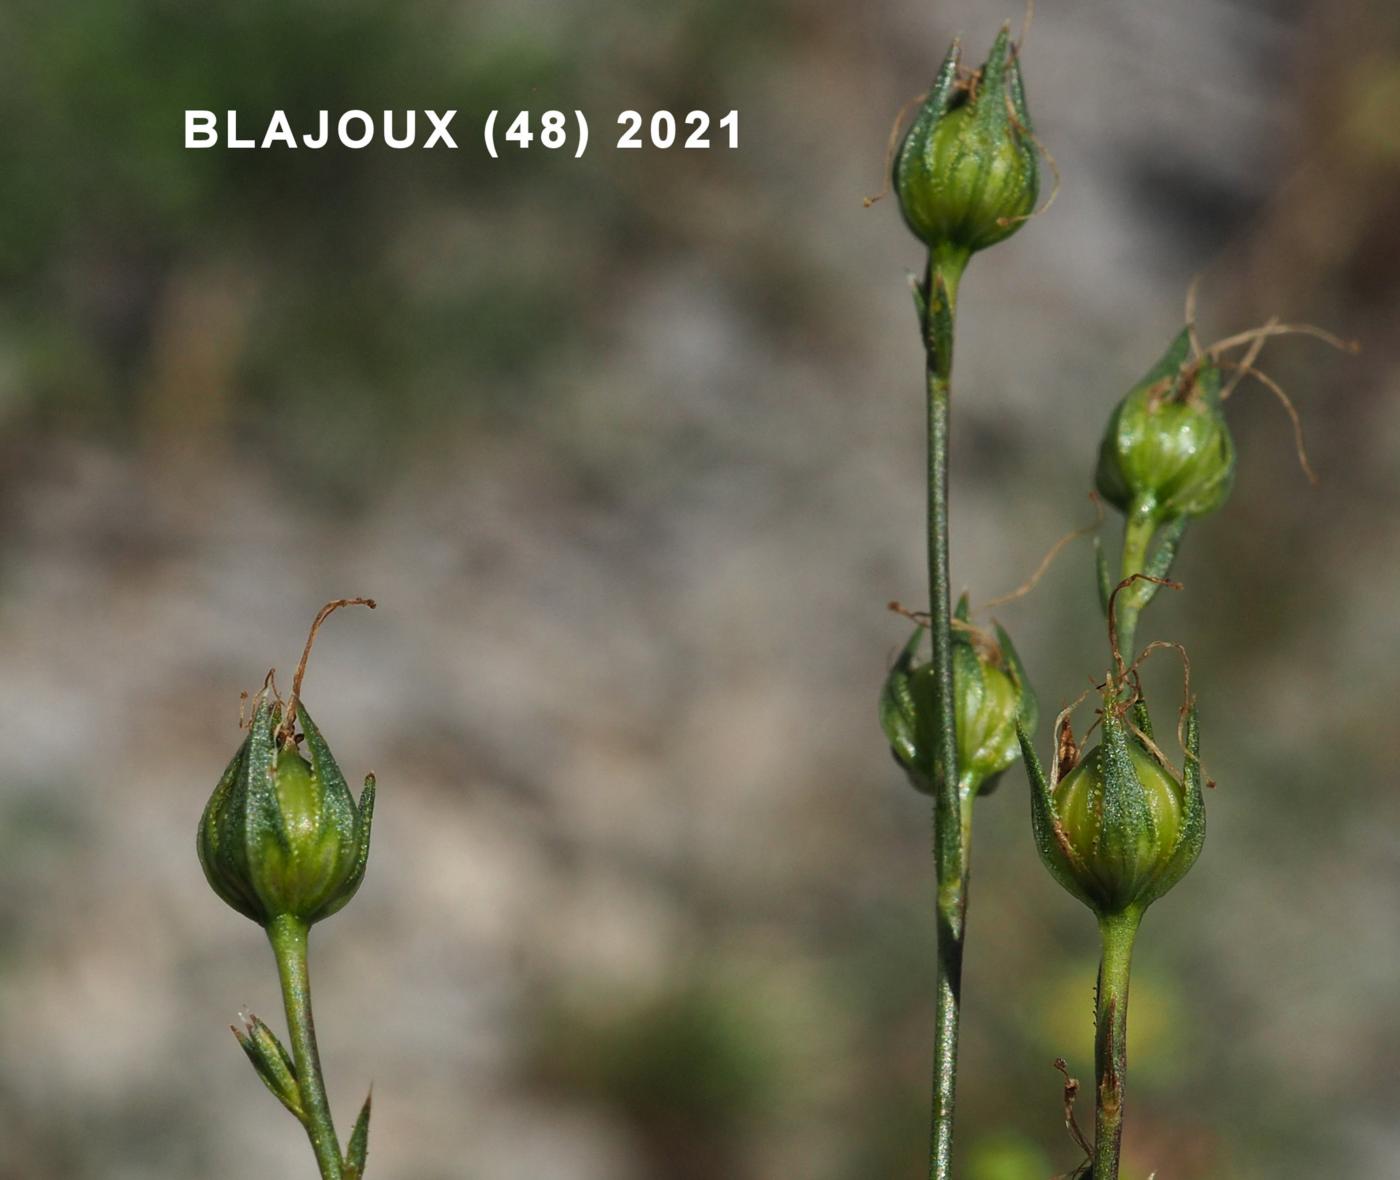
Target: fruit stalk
1116,933
288,936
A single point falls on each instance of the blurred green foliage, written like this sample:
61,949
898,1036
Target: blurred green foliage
352,282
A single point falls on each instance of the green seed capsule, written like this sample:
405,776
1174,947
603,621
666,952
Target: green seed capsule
992,695
966,173
281,834
1119,829
1167,452
1120,872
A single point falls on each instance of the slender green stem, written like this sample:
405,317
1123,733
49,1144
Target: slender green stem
288,938
1111,1039
1137,536
949,851
968,786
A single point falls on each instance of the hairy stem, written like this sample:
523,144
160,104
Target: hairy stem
949,845
288,937
1137,536
1117,933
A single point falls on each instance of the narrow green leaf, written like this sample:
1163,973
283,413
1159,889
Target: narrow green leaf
938,321
920,302
263,817
358,1149
1105,579
1159,562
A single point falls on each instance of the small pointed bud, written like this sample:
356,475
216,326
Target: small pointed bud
1119,829
273,1063
966,173
281,834
992,695
1167,453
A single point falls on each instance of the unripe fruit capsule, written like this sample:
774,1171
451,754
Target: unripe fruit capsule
1167,451
1119,828
992,696
966,173
282,835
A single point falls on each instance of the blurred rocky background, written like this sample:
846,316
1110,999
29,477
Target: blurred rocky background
630,451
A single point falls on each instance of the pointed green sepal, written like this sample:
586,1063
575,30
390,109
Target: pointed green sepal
1142,722
220,840
907,714
1168,369
1192,836
936,104
994,114
363,823
1127,829
1017,86
1027,715
1057,853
